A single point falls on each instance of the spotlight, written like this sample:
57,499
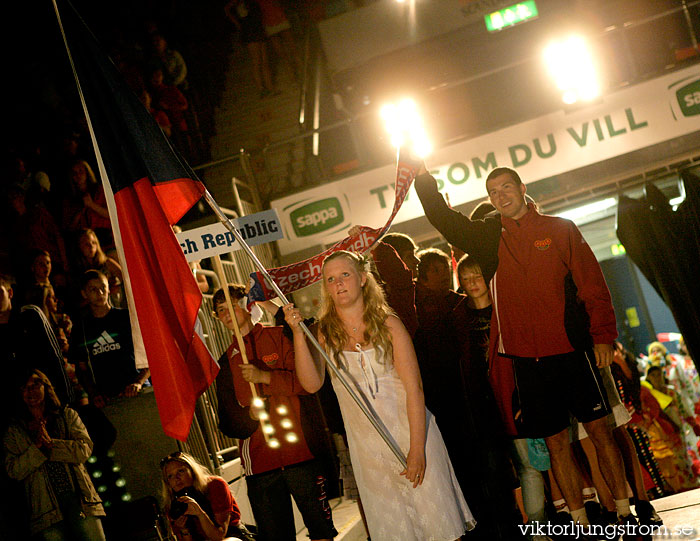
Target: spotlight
571,65
404,124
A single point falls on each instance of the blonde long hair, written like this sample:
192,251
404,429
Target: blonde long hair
100,257
200,476
376,311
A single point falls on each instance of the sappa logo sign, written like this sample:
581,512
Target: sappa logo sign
687,94
317,217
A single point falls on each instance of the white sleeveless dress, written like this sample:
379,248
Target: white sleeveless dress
436,510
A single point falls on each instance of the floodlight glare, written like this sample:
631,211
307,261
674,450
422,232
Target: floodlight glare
405,126
422,147
569,97
571,65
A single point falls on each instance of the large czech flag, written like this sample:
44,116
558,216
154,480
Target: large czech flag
149,187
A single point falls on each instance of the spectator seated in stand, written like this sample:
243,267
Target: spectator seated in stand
33,228
69,367
86,207
102,344
43,296
37,272
92,257
169,99
199,505
29,341
160,116
169,60
46,447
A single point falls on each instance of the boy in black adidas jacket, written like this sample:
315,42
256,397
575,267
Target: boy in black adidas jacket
102,343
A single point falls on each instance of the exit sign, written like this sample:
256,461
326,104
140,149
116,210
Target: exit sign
522,11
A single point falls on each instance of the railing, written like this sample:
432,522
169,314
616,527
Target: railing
209,445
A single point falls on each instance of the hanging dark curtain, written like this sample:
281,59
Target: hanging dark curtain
665,245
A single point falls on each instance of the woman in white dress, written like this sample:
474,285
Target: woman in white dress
373,350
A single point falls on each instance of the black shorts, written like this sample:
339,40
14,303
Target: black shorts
269,496
548,389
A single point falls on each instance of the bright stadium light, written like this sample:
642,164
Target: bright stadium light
405,126
570,63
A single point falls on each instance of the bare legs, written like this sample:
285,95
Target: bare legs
562,465
608,457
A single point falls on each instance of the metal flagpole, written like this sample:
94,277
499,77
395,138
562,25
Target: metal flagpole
372,419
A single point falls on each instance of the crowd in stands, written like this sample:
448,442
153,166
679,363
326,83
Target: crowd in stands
424,331
64,312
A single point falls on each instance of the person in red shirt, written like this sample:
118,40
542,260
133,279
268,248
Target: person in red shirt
553,325
279,463
199,505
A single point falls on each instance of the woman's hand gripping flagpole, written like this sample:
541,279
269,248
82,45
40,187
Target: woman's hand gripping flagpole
258,264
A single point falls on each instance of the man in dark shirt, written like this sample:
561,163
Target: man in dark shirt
103,346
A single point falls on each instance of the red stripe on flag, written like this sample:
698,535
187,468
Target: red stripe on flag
167,300
177,197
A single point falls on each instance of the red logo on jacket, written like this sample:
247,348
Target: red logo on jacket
270,359
543,244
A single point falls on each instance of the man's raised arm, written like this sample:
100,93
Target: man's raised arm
479,238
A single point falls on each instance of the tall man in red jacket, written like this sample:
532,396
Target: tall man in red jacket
553,325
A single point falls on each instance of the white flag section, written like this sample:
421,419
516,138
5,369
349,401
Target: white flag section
216,239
